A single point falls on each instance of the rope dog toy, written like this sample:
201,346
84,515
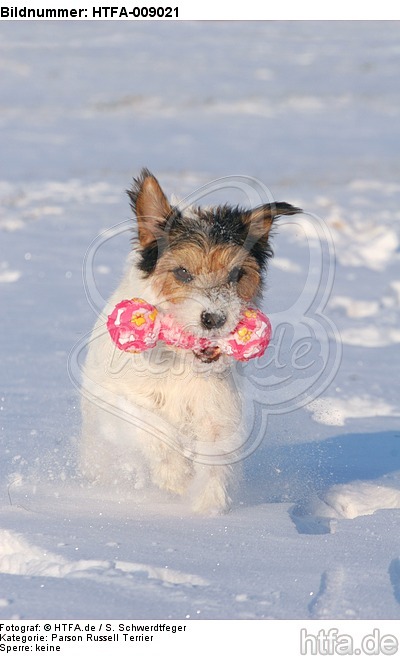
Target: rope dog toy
136,326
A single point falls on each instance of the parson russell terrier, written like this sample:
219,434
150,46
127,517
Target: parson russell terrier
173,417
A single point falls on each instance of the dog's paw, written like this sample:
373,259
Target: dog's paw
171,478
214,500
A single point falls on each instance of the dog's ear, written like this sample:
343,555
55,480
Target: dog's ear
260,219
150,205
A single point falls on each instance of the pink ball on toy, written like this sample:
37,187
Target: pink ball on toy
250,337
134,325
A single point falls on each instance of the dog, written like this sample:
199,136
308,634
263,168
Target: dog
167,416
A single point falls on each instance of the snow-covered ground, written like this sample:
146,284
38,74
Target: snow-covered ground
312,110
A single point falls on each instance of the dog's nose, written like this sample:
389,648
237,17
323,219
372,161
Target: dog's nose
212,320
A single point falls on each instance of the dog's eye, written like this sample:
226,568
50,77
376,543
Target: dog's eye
182,274
236,274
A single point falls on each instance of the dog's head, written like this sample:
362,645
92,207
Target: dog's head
204,265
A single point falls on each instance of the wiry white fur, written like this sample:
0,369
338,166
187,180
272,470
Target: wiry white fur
161,415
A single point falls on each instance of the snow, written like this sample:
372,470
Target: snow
312,111
335,412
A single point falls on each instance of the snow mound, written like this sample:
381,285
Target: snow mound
8,275
355,309
359,498
20,204
334,412
374,248
371,336
19,557
319,513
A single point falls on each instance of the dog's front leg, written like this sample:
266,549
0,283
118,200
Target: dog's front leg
210,489
170,470
214,471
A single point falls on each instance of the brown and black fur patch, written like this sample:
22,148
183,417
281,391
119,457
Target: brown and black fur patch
220,246
209,267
